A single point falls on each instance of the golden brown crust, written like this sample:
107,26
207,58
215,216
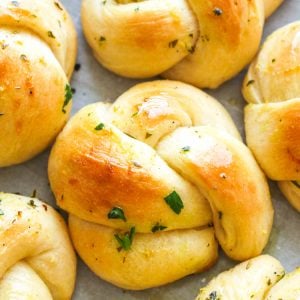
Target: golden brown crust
273,117
48,20
139,34
153,260
128,156
273,136
220,52
226,173
105,169
34,83
200,42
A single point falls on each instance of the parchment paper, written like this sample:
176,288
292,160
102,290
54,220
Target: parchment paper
92,84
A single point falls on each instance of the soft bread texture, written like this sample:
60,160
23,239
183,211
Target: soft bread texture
37,258
22,281
251,279
200,42
287,288
134,154
154,259
260,278
272,119
37,56
226,173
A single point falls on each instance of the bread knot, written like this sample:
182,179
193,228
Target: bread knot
37,55
37,258
272,119
150,179
260,278
200,42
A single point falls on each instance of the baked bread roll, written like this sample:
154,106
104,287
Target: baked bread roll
146,178
37,260
272,119
200,42
260,278
37,56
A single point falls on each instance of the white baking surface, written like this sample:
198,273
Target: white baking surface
92,84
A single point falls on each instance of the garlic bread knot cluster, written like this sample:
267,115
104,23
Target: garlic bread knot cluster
151,179
37,260
260,278
272,118
37,55
203,43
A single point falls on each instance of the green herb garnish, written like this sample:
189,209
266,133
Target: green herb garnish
58,5
175,202
186,148
23,57
68,97
51,35
250,82
31,203
213,296
125,241
116,213
158,227
1,212
173,44
100,126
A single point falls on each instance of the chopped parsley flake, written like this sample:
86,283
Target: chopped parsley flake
186,148
51,35
125,241
213,296
24,57
99,126
117,213
58,5
31,203
173,44
175,202
68,97
158,227
250,82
